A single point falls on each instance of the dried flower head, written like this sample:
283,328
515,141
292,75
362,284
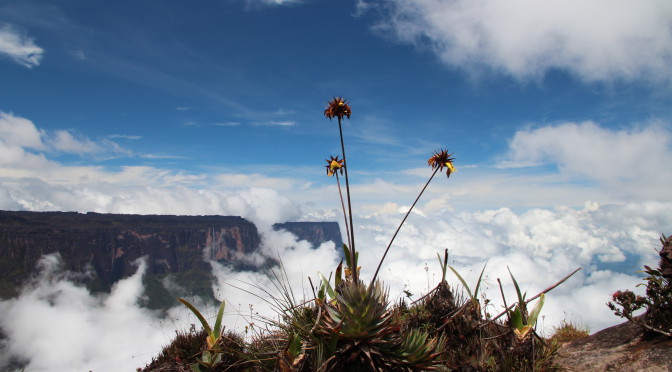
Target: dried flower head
334,165
440,159
337,107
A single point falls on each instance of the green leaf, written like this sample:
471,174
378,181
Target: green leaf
327,285
218,321
534,313
346,252
463,282
478,283
521,298
294,345
516,317
206,357
339,274
217,360
198,314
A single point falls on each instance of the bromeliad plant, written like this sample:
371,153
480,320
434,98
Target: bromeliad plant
521,320
211,357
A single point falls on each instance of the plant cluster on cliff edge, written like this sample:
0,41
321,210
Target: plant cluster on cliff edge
351,325
657,320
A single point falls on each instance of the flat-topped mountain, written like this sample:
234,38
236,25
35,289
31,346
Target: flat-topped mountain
107,245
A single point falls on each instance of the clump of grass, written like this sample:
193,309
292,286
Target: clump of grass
568,331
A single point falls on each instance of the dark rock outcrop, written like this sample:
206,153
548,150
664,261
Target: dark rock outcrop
315,233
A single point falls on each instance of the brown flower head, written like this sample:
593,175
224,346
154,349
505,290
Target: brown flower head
334,165
337,107
440,159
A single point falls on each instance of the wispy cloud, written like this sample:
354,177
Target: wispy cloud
600,41
20,140
279,123
125,136
19,47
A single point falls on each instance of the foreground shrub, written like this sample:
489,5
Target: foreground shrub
658,301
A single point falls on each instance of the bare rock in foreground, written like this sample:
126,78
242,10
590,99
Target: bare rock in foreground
619,348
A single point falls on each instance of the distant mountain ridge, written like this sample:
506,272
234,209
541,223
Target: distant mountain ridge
107,245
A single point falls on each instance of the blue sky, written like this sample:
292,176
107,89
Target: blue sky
559,114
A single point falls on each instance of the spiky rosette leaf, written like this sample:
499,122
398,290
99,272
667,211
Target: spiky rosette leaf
418,352
358,330
360,312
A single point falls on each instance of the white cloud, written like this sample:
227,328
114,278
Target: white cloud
599,41
629,163
539,245
63,140
609,238
21,143
21,132
19,47
57,325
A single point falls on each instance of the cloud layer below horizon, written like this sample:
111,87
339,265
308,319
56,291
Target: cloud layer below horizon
574,213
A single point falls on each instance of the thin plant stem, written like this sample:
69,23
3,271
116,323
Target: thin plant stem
347,191
401,224
345,215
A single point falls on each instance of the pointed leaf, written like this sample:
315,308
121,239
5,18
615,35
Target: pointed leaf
463,282
327,285
218,322
346,252
534,313
521,298
198,314
339,274
516,317
478,283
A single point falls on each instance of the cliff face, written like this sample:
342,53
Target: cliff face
107,245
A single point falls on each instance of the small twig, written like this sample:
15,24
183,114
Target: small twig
426,295
506,309
495,337
459,310
650,328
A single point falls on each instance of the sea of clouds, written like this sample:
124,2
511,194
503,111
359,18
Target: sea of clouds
540,225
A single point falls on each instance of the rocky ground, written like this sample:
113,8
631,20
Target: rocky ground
619,348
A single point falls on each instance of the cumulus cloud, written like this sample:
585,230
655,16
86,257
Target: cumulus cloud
20,48
597,41
632,162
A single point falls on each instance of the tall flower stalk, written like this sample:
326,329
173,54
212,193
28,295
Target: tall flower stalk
438,161
338,107
334,167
